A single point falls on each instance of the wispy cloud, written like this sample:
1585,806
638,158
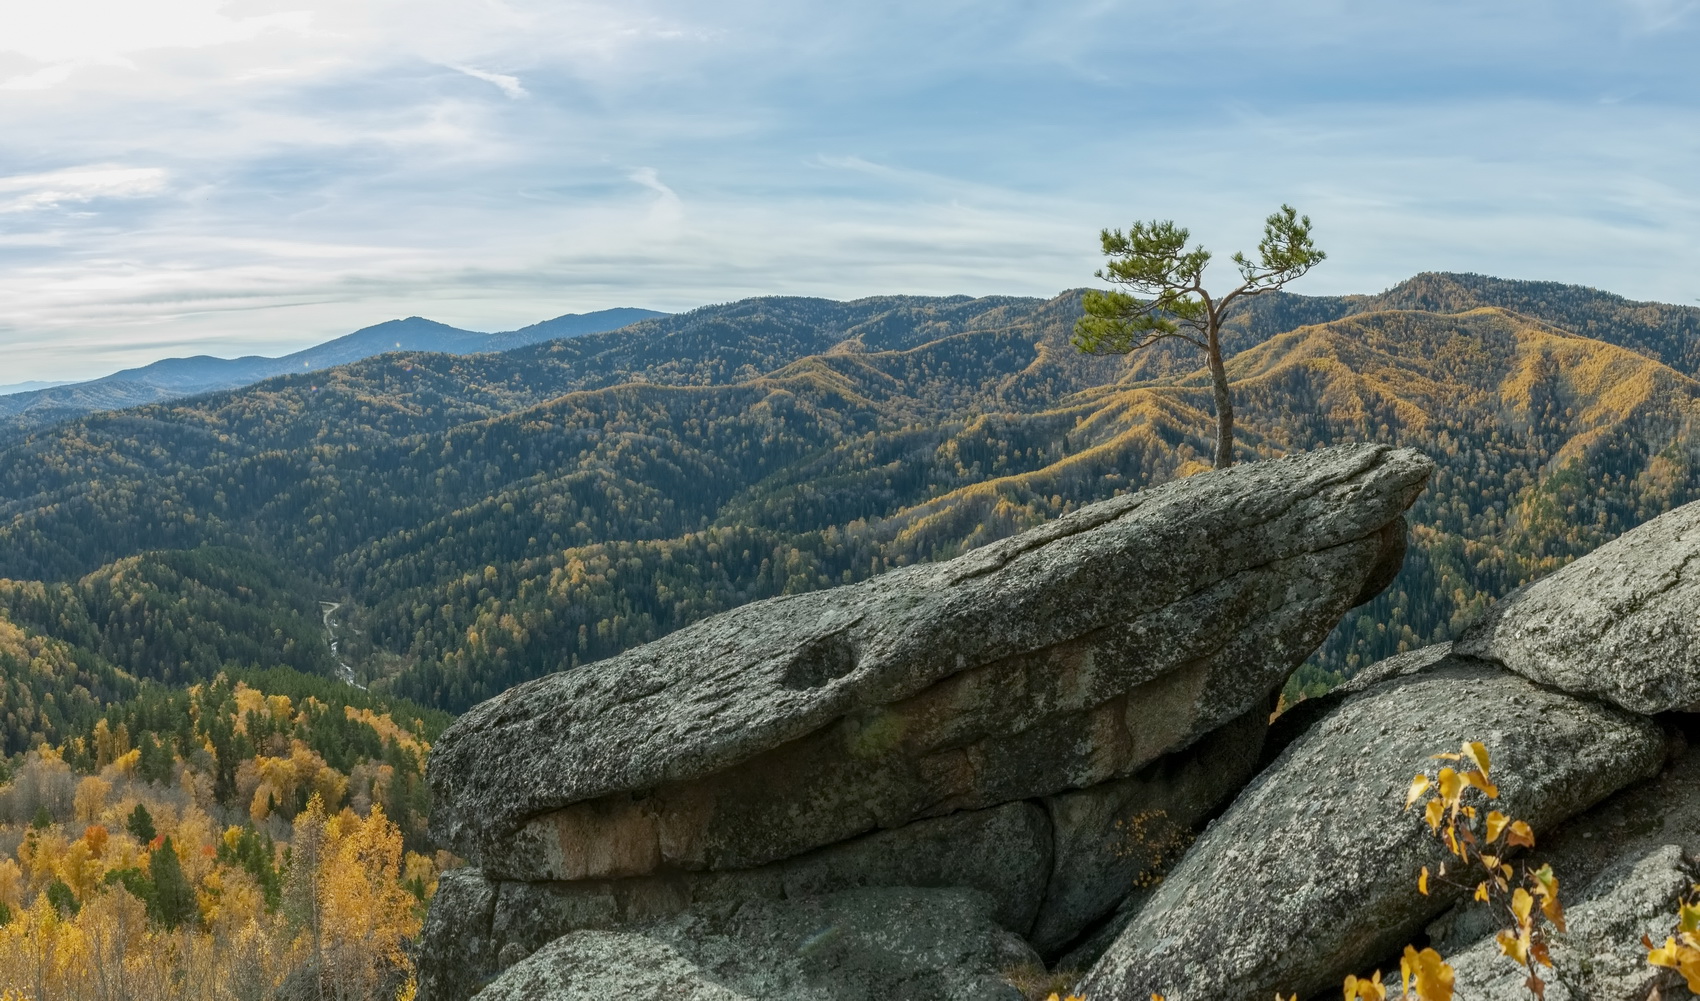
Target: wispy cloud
508,85
78,186
256,175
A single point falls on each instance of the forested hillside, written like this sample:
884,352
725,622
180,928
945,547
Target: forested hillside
494,517
172,711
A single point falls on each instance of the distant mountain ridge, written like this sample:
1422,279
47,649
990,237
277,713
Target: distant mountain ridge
170,378
491,517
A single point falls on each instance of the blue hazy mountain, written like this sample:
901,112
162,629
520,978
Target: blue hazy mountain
174,377
31,386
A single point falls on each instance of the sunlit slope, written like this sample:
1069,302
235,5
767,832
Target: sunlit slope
1667,332
489,521
1548,443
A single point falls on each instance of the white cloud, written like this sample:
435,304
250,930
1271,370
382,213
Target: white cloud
78,185
508,85
325,169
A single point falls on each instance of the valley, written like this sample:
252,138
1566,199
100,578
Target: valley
491,518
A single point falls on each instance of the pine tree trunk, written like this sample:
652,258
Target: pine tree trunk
1224,404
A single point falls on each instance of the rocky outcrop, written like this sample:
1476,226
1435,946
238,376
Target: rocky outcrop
1600,957
862,945
1310,873
1619,624
1120,837
1073,654
1043,723
479,927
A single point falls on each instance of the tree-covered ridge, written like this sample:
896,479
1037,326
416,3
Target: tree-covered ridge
480,546
257,742
1658,330
180,616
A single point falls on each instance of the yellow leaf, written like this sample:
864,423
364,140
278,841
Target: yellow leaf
1513,945
1520,835
1521,904
1477,752
1422,882
1419,785
1482,891
1690,917
1365,989
1666,955
1426,974
1480,781
1546,884
1451,785
1432,813
1496,822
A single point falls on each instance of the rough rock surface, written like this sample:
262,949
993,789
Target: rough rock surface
1600,958
1073,654
1618,624
861,945
1310,873
596,965
1298,718
1051,868
478,927
1122,836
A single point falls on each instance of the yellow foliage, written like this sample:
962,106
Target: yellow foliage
1681,955
1426,975
1370,989
11,883
1681,952
1454,822
90,798
362,916
125,764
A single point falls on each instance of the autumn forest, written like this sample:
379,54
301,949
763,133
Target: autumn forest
195,781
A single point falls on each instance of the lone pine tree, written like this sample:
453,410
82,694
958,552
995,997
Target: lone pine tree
1167,298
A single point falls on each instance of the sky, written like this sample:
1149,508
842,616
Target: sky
251,177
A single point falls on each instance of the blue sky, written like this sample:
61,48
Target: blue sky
193,176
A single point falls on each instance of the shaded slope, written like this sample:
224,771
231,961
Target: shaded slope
495,517
172,378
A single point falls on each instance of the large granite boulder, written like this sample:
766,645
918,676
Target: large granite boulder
861,945
1311,872
1074,654
1050,868
478,927
1600,957
1620,624
1119,838
1622,867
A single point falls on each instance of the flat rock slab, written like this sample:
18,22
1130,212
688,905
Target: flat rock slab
1311,873
478,927
1620,624
597,965
864,945
1072,654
